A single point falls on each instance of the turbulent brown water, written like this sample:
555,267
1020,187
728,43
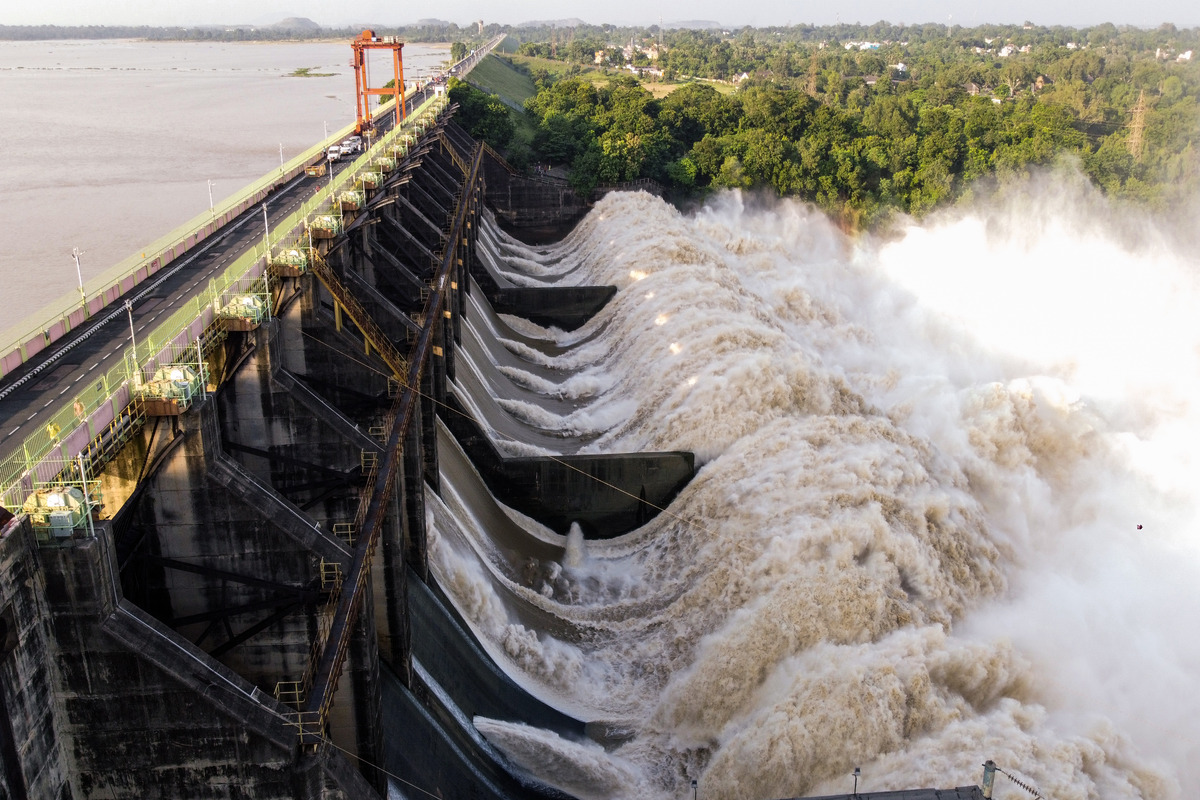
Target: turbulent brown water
945,512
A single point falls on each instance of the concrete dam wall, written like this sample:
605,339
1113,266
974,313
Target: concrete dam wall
253,612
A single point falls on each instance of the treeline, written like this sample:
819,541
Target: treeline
288,30
886,125
39,33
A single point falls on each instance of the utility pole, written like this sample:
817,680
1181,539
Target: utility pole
211,208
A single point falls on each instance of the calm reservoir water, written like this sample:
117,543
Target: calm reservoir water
111,144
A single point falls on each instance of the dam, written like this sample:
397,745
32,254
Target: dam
216,546
633,502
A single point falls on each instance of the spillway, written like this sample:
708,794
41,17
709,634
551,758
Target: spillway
891,509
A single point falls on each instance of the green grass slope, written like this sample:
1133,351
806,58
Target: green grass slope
498,77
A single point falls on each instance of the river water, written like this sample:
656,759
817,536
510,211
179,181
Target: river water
946,511
111,144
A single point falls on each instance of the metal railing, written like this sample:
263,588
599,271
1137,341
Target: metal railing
320,685
372,334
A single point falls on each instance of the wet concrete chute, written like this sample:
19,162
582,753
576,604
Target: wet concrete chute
244,595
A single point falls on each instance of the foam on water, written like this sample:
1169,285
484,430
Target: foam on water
913,542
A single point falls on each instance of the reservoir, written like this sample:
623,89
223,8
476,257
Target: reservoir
114,142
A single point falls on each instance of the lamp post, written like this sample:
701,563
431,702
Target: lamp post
132,338
267,267
694,789
857,772
212,210
76,253
133,344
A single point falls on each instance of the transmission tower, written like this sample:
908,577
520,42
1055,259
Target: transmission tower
1136,127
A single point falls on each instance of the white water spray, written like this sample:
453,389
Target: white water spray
913,545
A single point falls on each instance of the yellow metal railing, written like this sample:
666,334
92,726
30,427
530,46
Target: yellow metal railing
379,486
373,335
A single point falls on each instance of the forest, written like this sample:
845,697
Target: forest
863,121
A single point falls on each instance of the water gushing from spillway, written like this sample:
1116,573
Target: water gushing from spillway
944,513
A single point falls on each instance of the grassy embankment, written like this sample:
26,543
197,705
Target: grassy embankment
496,76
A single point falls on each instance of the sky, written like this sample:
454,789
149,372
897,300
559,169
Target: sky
1149,13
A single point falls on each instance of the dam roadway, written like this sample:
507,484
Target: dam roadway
222,585
29,394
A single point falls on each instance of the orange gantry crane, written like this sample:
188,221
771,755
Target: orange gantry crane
369,41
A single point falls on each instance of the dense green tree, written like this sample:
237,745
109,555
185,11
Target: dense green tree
484,116
906,127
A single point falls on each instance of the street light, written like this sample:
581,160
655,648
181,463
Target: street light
133,344
76,253
267,268
211,208
857,772
694,789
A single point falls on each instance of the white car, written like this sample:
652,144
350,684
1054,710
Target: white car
334,153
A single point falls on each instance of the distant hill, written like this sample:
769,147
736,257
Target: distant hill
694,24
295,24
573,22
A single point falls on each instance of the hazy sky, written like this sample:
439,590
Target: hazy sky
1148,13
